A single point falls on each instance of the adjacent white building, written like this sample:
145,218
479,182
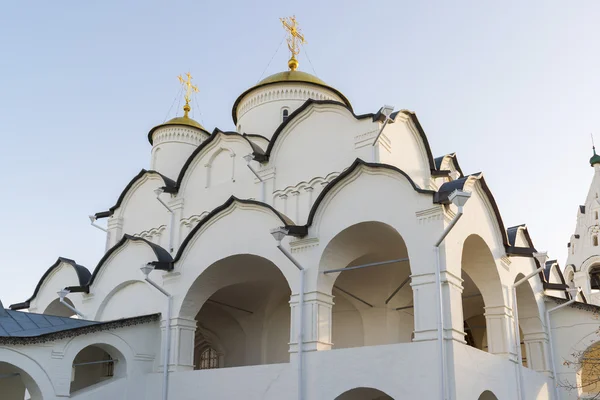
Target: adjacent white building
347,308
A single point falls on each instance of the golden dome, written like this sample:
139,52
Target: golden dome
177,121
294,76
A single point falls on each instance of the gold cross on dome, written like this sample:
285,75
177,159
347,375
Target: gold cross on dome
189,89
294,39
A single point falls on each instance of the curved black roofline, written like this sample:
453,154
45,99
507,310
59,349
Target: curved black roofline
162,255
439,160
257,152
83,276
169,183
356,164
346,102
287,222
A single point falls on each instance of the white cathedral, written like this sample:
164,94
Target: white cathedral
312,254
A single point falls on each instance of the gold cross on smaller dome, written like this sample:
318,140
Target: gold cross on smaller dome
189,89
294,39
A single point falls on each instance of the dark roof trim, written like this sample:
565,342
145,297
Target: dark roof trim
83,276
577,304
241,96
162,255
293,229
442,197
582,209
83,330
299,111
439,160
257,152
169,184
512,232
356,164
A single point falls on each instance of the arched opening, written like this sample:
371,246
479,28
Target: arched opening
59,309
482,296
595,240
372,305
95,364
16,384
595,278
487,395
590,372
363,393
531,328
285,112
243,315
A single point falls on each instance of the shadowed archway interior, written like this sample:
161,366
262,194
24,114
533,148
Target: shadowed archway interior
363,393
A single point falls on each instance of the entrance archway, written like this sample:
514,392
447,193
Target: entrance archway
487,395
241,306
16,384
482,298
372,305
363,393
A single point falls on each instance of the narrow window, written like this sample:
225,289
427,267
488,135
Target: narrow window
209,359
596,215
595,240
284,114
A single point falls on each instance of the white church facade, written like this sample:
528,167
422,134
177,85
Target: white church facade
311,254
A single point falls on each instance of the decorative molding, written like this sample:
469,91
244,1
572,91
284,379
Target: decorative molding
300,245
178,134
276,93
429,214
366,139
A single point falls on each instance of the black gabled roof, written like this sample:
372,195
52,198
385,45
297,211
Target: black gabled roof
582,209
83,276
288,223
169,184
439,160
512,235
257,152
162,256
19,328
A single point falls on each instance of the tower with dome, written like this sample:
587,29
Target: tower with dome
314,253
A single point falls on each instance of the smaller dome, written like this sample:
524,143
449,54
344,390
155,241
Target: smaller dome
595,158
177,121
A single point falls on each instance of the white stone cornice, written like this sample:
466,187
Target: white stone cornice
303,244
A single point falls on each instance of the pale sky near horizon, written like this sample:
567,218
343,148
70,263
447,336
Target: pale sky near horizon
511,86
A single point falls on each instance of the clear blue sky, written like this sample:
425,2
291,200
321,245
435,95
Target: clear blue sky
511,86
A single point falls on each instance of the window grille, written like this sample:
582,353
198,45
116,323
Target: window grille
209,359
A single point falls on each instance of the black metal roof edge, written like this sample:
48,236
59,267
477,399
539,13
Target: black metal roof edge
166,123
439,160
287,222
357,163
169,184
82,330
415,120
582,209
83,276
303,107
346,102
579,305
161,254
257,152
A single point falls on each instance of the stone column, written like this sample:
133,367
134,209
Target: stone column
115,231
498,322
176,205
183,332
317,321
536,350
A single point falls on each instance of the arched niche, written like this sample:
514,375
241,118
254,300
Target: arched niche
364,393
241,306
95,364
16,384
372,305
59,309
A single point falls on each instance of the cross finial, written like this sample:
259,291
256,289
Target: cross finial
189,88
294,39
